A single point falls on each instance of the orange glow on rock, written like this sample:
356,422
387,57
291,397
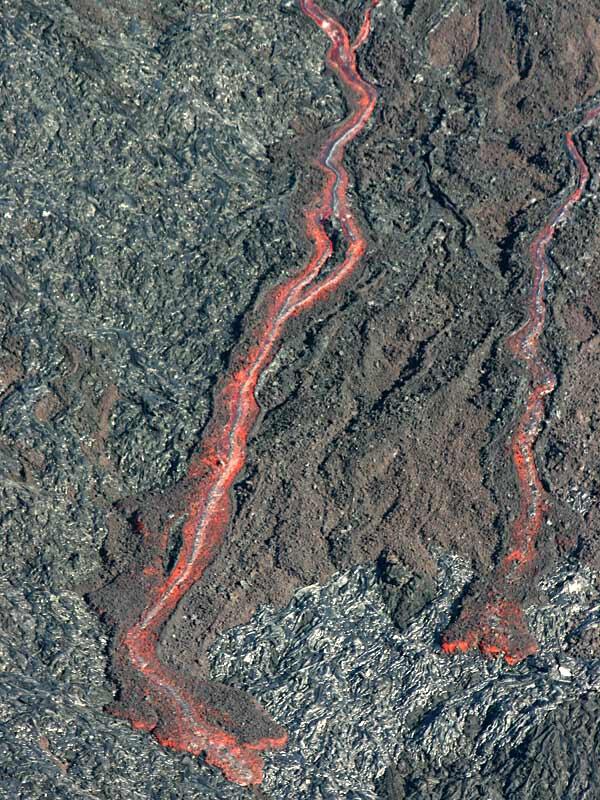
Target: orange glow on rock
498,628
159,700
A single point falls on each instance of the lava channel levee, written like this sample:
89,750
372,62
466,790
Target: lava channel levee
496,624
184,712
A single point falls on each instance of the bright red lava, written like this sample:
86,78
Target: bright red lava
169,709
499,627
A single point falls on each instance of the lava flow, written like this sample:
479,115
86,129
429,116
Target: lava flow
497,626
177,709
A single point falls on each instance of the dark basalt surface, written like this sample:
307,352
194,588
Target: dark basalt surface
155,159
558,758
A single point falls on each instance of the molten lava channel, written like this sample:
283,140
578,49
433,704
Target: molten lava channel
497,626
164,702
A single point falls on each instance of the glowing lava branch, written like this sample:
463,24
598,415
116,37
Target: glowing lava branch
499,628
166,705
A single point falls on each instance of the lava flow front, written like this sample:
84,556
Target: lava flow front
181,711
497,625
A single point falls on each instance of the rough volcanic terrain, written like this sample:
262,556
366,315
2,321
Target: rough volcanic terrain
156,160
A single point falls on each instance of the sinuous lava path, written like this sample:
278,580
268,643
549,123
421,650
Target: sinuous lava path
498,627
163,701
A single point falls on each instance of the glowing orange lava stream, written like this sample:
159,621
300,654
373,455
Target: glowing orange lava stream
498,628
177,718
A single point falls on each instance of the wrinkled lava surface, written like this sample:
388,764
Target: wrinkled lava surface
155,160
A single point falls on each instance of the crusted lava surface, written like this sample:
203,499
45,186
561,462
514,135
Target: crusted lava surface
410,367
157,160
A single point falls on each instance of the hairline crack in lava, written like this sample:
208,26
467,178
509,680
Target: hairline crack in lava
496,625
162,701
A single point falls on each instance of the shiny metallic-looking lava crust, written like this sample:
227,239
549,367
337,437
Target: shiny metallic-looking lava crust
163,701
498,628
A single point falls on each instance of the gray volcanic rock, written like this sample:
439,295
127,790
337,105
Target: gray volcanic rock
558,758
155,160
359,695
